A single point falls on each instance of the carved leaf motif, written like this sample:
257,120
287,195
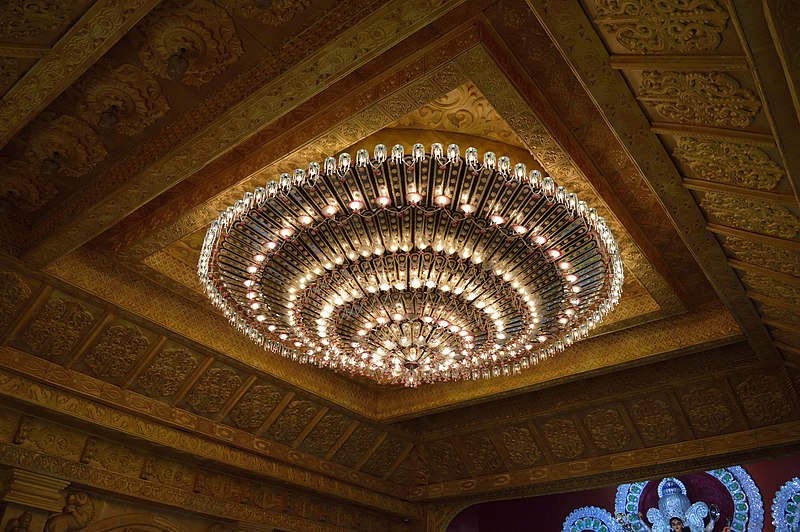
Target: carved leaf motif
413,471
724,162
359,442
646,27
54,440
383,457
20,182
205,31
116,351
707,410
752,214
763,398
13,292
213,389
78,147
607,429
25,20
445,461
520,445
293,420
277,12
482,453
770,257
324,434
166,373
256,406
654,420
57,328
711,98
563,438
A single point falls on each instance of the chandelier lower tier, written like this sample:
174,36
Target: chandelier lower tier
413,268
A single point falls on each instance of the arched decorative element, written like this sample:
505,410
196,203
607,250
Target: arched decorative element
786,507
590,518
142,522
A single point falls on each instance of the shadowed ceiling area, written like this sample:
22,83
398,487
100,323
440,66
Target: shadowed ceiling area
126,127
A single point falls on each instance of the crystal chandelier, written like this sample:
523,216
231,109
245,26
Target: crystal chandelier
413,268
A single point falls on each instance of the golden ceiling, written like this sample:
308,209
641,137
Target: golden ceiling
680,123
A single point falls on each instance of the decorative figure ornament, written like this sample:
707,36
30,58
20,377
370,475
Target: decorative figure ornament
676,513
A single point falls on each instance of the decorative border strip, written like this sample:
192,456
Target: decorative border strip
786,507
590,518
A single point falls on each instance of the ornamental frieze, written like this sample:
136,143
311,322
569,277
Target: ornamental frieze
57,328
654,420
706,98
21,184
256,405
763,398
770,257
212,390
274,13
166,373
520,446
444,461
707,410
25,20
325,434
294,418
563,438
359,442
771,287
643,26
482,454
607,429
13,293
752,214
116,351
725,162
384,456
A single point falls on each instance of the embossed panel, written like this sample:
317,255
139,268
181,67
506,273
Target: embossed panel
56,328
292,420
764,399
520,445
384,456
607,429
445,462
212,390
562,438
357,445
116,349
325,433
484,459
255,406
14,292
162,377
708,409
654,419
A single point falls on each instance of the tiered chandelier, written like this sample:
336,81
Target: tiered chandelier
413,268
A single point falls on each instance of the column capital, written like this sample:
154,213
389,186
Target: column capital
33,490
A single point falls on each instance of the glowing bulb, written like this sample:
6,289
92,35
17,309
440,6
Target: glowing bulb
468,208
414,197
554,253
286,232
305,219
497,219
539,240
259,257
356,205
330,210
564,265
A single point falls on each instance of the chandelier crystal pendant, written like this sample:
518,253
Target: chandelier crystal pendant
413,268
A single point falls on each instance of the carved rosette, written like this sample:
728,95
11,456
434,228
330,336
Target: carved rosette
482,454
78,147
706,98
255,406
324,434
763,398
13,292
607,429
57,328
133,92
445,462
115,352
707,410
563,438
654,420
752,214
293,420
20,183
163,377
206,33
272,13
724,162
213,389
645,26
521,447
25,20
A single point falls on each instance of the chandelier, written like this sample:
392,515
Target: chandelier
413,268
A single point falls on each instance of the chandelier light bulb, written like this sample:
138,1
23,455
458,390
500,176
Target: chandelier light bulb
177,65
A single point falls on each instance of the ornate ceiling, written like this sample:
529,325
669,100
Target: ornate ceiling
678,122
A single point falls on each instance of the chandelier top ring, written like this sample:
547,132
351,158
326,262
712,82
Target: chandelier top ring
413,268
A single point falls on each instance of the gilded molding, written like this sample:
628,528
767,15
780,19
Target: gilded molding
766,256
752,214
76,144
771,287
732,164
642,26
709,98
276,13
203,30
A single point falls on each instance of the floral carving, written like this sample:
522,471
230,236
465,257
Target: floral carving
114,457
482,453
166,373
25,20
57,328
412,471
724,162
445,461
213,389
650,27
256,406
712,98
356,445
771,287
654,420
520,445
52,439
771,257
116,351
763,398
133,93
20,183
607,429
75,145
563,437
324,434
707,410
383,457
13,292
752,214
293,420
272,13
203,30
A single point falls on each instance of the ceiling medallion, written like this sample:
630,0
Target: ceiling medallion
413,268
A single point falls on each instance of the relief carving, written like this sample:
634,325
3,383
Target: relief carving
132,93
9,72
25,20
412,471
293,420
273,13
644,26
213,389
563,438
482,453
324,434
766,256
707,410
752,214
713,98
13,293
21,185
77,514
354,448
763,398
255,407
57,328
113,457
383,457
115,351
771,287
71,143
50,439
163,377
725,162
203,31
607,429
654,420
521,447
445,462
